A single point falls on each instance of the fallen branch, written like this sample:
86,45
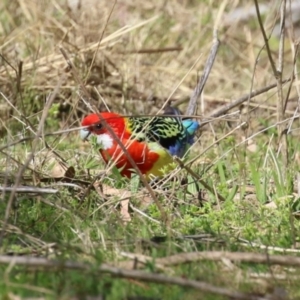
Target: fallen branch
122,273
251,257
224,109
191,257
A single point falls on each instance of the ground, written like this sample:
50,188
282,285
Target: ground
223,225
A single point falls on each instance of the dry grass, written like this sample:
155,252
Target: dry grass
131,57
131,82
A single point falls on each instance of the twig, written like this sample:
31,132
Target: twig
191,257
269,276
123,273
181,258
100,39
197,176
28,189
266,40
201,83
292,78
137,258
278,75
219,112
246,243
28,138
282,133
215,143
16,230
142,213
152,50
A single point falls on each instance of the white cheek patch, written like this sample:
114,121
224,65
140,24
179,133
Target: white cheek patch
105,141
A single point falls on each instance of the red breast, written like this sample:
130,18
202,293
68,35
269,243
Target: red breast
140,153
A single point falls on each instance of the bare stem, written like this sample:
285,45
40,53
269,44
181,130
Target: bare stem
201,83
47,264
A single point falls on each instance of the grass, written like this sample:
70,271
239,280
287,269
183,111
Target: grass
67,245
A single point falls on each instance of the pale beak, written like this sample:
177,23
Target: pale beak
84,134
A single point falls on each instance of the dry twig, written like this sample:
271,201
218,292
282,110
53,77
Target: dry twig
201,83
28,189
224,109
123,273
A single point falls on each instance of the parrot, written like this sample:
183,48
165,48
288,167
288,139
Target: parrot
150,141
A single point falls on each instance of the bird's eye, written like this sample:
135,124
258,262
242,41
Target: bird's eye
98,126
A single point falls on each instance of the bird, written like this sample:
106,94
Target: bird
150,141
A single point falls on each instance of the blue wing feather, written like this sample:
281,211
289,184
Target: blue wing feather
187,138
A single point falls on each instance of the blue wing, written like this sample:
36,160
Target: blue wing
185,139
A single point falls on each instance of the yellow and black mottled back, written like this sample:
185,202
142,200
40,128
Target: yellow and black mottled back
172,133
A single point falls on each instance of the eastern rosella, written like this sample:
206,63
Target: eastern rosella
150,141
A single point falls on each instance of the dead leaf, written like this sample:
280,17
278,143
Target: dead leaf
58,169
125,215
271,205
107,190
251,145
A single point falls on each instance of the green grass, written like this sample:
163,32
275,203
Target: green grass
83,223
82,232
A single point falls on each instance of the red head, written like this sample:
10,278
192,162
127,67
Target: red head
97,126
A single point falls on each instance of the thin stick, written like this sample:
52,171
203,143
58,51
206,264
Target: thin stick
123,273
278,75
196,176
201,83
266,40
249,257
28,189
282,133
219,112
292,78
215,143
100,39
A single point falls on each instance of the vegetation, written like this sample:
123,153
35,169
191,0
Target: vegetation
227,226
